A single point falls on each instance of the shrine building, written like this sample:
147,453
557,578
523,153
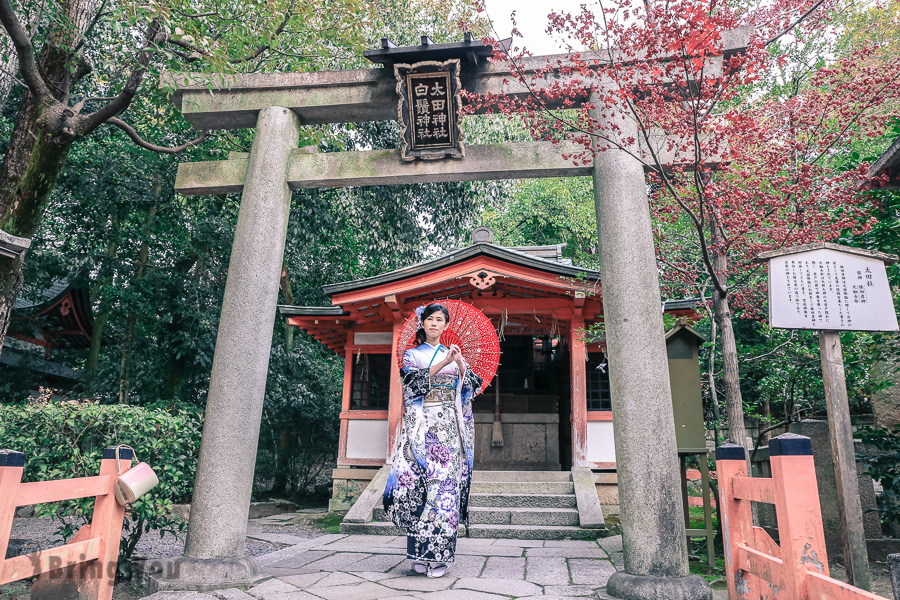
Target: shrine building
553,377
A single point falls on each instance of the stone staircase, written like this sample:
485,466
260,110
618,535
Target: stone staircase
531,505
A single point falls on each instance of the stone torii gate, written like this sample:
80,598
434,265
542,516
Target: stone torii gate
278,105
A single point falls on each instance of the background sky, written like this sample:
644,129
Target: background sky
531,19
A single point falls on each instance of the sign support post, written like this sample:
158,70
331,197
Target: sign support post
856,559
831,288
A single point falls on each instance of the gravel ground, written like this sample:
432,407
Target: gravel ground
31,535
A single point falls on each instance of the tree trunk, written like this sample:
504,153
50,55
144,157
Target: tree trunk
31,166
288,297
38,147
100,321
282,481
131,322
731,380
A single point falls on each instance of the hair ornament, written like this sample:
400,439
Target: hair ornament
419,312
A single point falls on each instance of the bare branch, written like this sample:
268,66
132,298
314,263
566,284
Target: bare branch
121,102
153,147
797,22
22,43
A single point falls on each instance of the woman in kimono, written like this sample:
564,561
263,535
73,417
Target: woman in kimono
428,487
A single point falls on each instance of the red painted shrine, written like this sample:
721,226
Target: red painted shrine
552,380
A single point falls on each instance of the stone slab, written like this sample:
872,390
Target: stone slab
566,552
337,578
520,543
611,544
502,567
304,581
570,544
508,587
301,559
179,596
467,566
418,583
461,595
298,595
380,562
590,513
569,590
364,591
277,538
372,576
337,561
547,570
271,586
232,594
590,572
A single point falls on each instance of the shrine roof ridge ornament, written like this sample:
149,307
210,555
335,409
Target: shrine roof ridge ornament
887,259
470,51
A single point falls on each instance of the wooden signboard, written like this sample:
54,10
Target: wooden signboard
834,288
429,110
830,289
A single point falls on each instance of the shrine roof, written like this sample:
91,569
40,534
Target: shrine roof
511,255
888,163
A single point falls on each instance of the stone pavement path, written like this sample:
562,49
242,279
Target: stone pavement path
371,567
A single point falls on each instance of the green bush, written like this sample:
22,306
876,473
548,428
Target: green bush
62,440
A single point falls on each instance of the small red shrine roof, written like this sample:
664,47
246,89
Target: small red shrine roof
530,290
529,257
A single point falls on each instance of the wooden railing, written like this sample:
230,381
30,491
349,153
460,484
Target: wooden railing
95,548
757,567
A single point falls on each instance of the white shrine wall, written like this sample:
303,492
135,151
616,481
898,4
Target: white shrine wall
601,447
367,438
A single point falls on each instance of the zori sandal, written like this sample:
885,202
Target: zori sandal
420,567
436,570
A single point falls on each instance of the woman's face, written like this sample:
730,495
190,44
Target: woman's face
434,324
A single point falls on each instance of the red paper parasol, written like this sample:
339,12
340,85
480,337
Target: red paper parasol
470,329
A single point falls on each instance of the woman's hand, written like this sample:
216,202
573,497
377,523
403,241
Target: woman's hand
457,356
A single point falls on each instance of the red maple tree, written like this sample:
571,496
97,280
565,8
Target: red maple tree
738,161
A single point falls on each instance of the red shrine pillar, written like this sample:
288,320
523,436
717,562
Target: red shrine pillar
395,403
577,370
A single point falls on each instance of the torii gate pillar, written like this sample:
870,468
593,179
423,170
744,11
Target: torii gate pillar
214,551
653,536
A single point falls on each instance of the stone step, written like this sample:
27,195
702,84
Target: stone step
512,516
523,516
373,528
539,476
522,500
533,532
522,487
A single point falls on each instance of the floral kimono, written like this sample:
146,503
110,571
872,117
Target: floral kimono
428,488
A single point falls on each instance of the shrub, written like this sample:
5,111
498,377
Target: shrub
62,440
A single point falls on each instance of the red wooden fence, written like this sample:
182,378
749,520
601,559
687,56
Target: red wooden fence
756,567
96,545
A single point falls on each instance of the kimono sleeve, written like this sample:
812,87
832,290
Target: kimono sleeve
471,383
415,379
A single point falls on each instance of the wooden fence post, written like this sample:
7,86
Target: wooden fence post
737,521
107,520
800,533
12,464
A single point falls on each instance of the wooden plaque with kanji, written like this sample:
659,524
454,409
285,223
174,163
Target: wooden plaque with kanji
429,108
